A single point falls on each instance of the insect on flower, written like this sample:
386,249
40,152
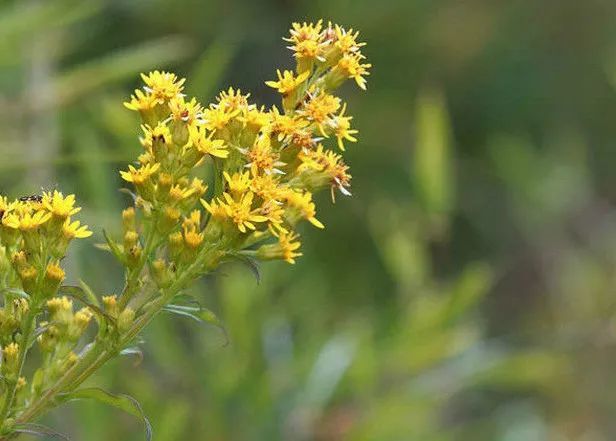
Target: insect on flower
32,198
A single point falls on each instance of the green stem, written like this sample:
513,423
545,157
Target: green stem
99,355
131,283
23,350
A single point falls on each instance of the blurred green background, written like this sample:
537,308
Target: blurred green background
465,292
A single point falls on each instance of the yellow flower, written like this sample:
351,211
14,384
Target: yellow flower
9,353
286,126
263,157
217,117
303,203
346,41
192,237
139,176
231,101
160,135
10,220
193,221
75,230
237,183
54,272
60,308
350,66
255,118
58,205
198,187
289,246
287,81
30,222
179,193
162,86
308,40
188,112
240,212
285,249
341,126
274,212
208,146
216,208
319,109
266,186
141,102
331,164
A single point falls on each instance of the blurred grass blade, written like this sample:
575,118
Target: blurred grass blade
19,19
209,69
432,168
118,66
331,364
469,289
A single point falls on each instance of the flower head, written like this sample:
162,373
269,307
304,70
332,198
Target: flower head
59,205
287,81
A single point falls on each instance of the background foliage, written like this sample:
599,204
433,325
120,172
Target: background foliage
465,291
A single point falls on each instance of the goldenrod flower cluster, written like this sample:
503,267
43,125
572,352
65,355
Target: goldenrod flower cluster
266,163
227,181
35,232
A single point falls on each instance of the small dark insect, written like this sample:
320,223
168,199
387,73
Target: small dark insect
32,198
1,214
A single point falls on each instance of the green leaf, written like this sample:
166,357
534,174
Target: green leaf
115,249
39,430
128,192
198,314
89,293
120,401
250,262
133,350
14,293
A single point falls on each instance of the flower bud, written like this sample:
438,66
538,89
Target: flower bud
111,305
161,273
170,219
54,276
10,355
48,339
176,244
28,278
128,219
131,237
165,181
126,318
60,309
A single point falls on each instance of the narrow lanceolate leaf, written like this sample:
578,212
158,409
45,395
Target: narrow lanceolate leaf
39,430
120,401
89,293
115,249
250,262
134,350
198,314
14,293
